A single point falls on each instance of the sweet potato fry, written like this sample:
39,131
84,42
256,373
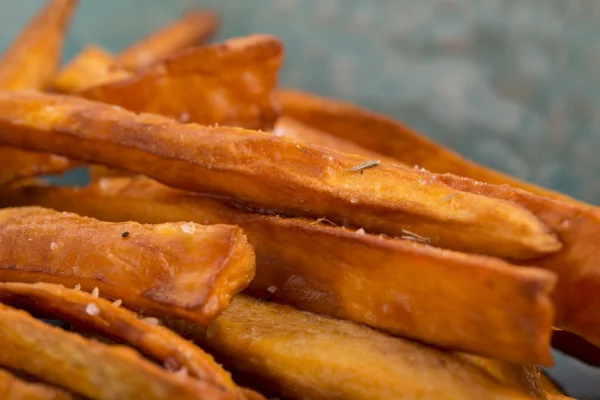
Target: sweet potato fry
232,83
303,355
90,368
274,174
119,324
193,28
183,269
459,301
391,138
13,388
93,66
29,63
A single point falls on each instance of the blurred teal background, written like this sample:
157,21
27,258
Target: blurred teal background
513,84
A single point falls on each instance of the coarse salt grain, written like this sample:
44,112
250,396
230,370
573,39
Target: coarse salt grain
53,246
78,287
92,309
360,232
117,303
189,227
272,289
183,371
151,321
96,292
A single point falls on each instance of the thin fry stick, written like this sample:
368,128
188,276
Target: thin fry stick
193,28
90,368
13,388
276,175
459,301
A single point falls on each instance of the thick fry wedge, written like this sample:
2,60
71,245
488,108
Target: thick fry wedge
182,269
29,63
90,368
391,138
232,83
119,324
302,355
473,303
13,388
193,28
93,66
274,175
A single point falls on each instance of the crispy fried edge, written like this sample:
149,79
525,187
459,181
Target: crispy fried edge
282,349
18,389
56,356
318,248
159,297
231,163
194,27
120,324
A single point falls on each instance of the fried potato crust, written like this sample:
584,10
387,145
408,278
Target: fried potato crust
274,174
119,324
232,83
392,138
88,367
175,268
13,388
193,28
461,301
302,355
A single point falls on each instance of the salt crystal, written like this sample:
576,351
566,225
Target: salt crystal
189,227
272,289
92,309
53,246
95,292
360,232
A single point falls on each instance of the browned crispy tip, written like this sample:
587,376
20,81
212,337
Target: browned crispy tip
193,28
84,310
93,66
17,164
32,59
301,355
232,83
287,126
459,301
275,174
176,268
13,388
379,133
88,367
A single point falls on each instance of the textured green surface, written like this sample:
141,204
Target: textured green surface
510,83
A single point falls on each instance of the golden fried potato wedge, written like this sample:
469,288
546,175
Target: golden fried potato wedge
473,303
232,83
176,268
30,63
93,66
120,324
274,174
90,368
32,59
392,138
302,355
13,388
193,28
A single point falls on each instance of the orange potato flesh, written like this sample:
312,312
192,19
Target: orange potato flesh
120,324
93,66
460,301
274,174
13,388
90,368
392,138
302,355
232,83
29,63
577,265
181,269
193,28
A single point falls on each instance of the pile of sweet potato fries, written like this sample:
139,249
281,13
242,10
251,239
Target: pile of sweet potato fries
315,249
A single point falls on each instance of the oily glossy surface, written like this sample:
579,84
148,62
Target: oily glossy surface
461,301
184,269
119,324
232,83
90,368
304,355
13,388
274,174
